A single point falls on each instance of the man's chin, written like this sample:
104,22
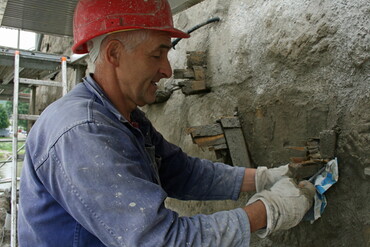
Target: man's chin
151,102
147,102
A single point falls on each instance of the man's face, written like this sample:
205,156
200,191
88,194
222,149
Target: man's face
140,70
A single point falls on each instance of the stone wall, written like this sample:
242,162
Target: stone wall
292,69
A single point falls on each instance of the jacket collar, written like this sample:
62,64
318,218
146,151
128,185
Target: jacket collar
95,89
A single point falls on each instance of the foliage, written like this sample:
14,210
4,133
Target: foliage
22,109
4,119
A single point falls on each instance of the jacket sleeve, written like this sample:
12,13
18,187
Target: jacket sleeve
98,174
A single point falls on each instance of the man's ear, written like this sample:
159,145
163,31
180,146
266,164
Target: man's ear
113,52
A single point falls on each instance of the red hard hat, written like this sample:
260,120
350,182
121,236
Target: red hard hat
93,18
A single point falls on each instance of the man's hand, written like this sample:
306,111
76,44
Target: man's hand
266,178
286,203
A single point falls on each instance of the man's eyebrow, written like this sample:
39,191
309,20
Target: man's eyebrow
164,46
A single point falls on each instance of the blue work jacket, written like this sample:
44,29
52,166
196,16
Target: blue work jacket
91,178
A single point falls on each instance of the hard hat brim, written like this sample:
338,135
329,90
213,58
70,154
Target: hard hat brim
81,47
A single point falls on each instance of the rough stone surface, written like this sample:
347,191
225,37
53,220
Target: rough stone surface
328,142
293,69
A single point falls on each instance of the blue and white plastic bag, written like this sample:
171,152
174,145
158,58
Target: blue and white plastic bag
323,182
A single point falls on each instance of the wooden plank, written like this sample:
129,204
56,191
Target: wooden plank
183,74
193,87
199,73
205,130
237,147
196,58
218,147
210,140
235,141
230,122
40,82
28,117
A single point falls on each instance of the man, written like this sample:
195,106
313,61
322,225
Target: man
96,172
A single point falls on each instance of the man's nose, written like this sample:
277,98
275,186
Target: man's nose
165,70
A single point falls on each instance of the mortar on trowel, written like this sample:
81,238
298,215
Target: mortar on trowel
308,169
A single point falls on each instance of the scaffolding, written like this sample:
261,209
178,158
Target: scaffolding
27,69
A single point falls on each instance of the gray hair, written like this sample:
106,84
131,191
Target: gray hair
129,39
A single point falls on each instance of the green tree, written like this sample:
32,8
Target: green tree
4,118
22,109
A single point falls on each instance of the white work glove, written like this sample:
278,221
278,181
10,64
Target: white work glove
286,203
265,178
